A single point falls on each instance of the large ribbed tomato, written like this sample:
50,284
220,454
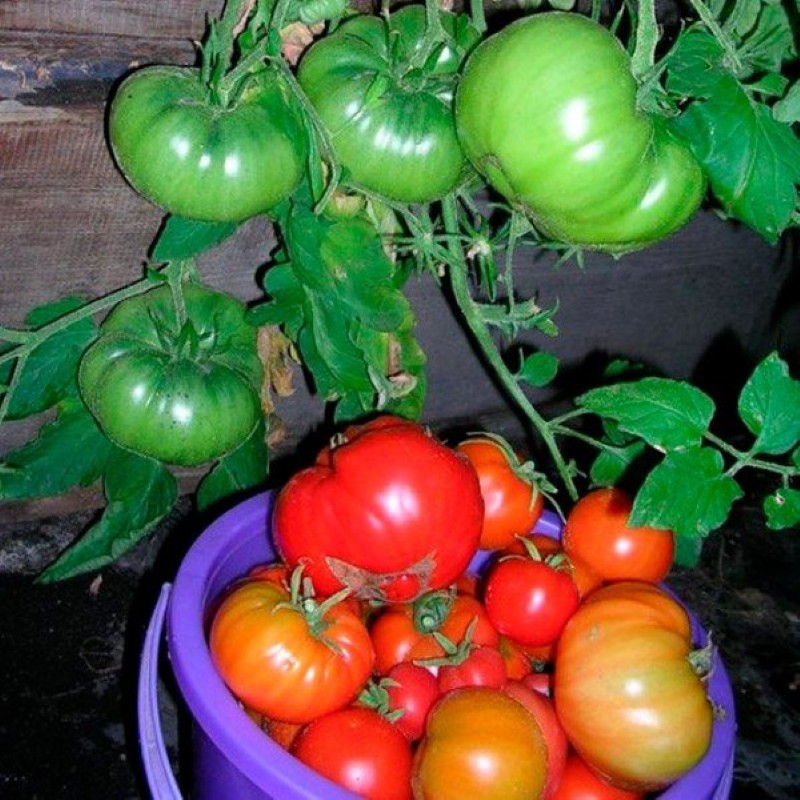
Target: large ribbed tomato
388,511
546,111
289,658
629,689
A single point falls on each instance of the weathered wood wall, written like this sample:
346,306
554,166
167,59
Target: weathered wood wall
69,224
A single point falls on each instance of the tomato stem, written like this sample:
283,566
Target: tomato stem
476,324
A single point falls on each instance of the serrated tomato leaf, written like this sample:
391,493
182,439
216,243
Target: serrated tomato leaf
751,158
612,463
66,452
49,373
667,414
687,493
782,508
140,493
240,471
181,238
769,405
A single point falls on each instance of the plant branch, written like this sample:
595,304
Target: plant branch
458,280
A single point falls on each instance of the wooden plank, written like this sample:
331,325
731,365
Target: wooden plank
149,18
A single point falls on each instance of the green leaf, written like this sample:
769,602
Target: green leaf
751,158
181,238
783,508
50,371
796,457
243,469
667,414
787,109
140,492
612,463
688,551
769,405
687,493
69,451
538,369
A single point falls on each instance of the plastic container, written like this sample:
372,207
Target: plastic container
231,758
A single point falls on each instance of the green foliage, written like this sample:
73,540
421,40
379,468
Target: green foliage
181,238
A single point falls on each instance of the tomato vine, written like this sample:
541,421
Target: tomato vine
717,94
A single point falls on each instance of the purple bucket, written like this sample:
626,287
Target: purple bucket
232,758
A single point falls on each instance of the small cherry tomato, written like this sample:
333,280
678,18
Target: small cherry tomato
412,690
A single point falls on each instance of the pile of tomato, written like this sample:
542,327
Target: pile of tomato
418,639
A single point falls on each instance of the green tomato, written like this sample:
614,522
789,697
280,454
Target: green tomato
387,104
182,393
196,158
546,111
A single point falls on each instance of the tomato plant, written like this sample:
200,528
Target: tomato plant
414,631
286,656
511,500
176,381
199,157
565,141
479,742
360,750
529,600
629,689
384,89
597,533
389,512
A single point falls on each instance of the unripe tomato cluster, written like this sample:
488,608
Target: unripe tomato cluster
506,673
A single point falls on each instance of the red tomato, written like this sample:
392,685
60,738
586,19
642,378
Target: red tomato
529,601
540,682
289,661
480,743
578,782
596,532
483,666
413,690
628,697
518,664
586,580
390,512
360,750
512,501
405,632
556,740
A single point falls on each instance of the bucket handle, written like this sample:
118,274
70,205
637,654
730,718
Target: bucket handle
157,767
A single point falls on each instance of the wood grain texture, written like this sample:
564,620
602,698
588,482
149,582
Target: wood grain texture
161,18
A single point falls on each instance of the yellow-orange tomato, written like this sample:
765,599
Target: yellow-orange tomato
288,661
512,502
596,532
626,693
480,744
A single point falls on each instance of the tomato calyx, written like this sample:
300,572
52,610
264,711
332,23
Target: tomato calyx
375,695
454,654
432,609
701,660
302,599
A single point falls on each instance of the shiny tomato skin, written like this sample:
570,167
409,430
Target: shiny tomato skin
512,503
596,532
399,634
390,512
196,158
159,398
412,690
360,750
541,706
271,659
484,666
586,579
480,744
625,692
529,601
565,142
390,119
578,782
